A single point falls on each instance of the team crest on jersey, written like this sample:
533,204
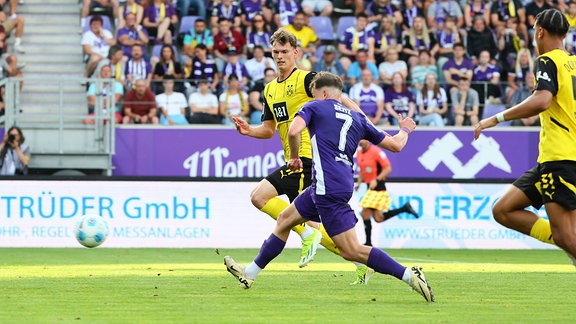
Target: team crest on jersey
290,90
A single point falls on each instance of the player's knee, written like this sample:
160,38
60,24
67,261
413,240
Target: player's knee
565,239
499,212
257,200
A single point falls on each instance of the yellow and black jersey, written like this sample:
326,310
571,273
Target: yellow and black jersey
555,71
282,100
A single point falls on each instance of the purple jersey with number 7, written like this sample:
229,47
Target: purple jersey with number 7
334,134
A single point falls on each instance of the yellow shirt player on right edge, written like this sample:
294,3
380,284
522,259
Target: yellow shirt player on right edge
552,182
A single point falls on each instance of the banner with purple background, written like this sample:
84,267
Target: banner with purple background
203,152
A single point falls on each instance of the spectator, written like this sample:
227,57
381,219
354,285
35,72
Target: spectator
410,10
140,105
502,10
233,102
391,66
329,63
423,68
203,105
102,89
258,64
118,66
130,6
12,70
256,96
387,37
348,7
480,38
317,8
432,103
458,67
361,63
258,35
172,104
439,10
13,5
87,5
198,35
354,39
138,67
416,39
304,34
198,5
377,9
249,9
571,14
370,98
229,11
532,9
226,40
476,9
160,19
131,34
3,43
283,11
96,43
14,154
204,67
524,64
447,38
509,42
520,95
399,100
14,22
466,104
2,100
235,67
302,62
168,66
486,79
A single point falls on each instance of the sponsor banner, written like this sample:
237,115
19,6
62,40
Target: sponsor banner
220,215
497,154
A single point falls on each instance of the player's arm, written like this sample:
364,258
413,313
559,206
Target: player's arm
544,91
397,142
294,140
263,131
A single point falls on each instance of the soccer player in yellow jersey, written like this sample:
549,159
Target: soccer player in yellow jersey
283,98
553,181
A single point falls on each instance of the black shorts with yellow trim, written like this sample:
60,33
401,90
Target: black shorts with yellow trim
529,184
558,183
291,183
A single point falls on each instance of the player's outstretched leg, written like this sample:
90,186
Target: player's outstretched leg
238,272
309,247
407,208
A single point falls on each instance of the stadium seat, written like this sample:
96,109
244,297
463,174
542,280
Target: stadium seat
157,48
187,23
343,24
106,23
491,109
323,28
320,51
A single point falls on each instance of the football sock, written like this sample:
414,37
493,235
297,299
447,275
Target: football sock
17,41
274,207
327,241
368,231
407,276
542,231
381,262
252,270
271,248
307,231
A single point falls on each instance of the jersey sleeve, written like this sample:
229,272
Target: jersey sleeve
306,112
266,112
546,75
372,134
307,81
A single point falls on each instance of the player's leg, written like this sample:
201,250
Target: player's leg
366,215
563,222
510,210
406,208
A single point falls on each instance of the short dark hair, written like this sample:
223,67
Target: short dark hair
326,79
201,46
113,50
269,69
459,44
554,21
282,37
222,19
96,18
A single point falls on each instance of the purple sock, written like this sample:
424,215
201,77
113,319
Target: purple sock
271,248
381,262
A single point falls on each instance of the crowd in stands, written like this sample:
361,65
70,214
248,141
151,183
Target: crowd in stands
10,24
441,62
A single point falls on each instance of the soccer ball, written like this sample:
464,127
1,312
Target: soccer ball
91,230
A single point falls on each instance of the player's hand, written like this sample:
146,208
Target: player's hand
356,187
484,124
241,125
406,122
295,165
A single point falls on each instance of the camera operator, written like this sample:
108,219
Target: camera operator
14,154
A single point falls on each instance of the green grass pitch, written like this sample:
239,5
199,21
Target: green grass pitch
105,285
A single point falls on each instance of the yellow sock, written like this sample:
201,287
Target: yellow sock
275,206
327,241
542,232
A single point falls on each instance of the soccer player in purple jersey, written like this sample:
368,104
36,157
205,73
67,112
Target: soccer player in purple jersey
334,133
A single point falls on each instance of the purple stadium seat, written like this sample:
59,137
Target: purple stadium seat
323,28
343,23
187,23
